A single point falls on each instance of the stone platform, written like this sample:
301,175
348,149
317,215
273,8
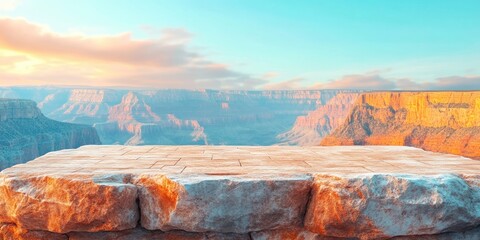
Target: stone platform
226,192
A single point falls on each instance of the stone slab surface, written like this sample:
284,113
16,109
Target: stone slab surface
231,160
364,192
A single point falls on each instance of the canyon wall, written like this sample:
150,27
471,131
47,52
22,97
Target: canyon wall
139,117
25,133
309,130
446,122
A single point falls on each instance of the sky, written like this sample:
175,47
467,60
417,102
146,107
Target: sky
242,44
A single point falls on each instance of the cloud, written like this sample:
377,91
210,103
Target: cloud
377,82
358,81
9,5
270,75
114,60
454,83
285,85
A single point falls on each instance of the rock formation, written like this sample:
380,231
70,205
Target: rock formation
446,122
309,130
133,120
26,134
139,117
378,206
132,192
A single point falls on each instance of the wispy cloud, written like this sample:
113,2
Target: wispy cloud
295,83
376,82
117,60
359,81
454,83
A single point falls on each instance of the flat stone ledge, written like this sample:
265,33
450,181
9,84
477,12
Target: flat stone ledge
231,160
323,192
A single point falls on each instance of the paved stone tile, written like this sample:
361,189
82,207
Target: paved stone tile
231,160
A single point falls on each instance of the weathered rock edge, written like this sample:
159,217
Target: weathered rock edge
366,206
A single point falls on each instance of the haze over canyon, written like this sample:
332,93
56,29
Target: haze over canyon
438,121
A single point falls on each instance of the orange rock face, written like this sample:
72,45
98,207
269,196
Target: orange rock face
446,122
62,205
382,206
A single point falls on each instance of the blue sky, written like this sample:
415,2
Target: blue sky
289,44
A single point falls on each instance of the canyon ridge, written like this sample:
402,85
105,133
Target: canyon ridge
444,121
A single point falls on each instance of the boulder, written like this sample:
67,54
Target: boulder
68,203
222,203
383,205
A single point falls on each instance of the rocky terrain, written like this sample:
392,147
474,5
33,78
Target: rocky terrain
148,192
436,121
139,117
25,133
309,130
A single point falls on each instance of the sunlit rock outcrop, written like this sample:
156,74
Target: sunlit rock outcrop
219,204
382,206
437,121
163,192
63,204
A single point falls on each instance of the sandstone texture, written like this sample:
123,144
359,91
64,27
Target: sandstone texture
381,206
222,204
222,192
26,134
446,122
62,204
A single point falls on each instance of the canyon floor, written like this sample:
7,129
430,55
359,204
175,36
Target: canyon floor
229,192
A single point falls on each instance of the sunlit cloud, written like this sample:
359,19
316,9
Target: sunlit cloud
116,60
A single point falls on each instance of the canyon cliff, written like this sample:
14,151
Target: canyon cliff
140,117
309,130
446,122
25,133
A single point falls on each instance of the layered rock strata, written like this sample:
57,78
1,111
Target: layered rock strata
135,198
25,133
446,122
309,130
178,117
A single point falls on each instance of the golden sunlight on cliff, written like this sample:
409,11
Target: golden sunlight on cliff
436,121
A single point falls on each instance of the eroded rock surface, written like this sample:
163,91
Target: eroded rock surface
381,206
164,192
71,203
222,204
